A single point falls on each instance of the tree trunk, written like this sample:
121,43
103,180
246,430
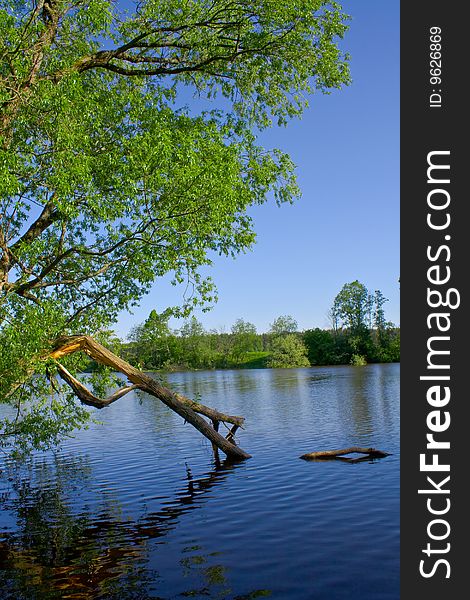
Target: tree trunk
326,454
185,407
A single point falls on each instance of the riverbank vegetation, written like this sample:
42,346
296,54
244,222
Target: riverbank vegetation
359,334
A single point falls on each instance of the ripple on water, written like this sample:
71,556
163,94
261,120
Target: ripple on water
136,508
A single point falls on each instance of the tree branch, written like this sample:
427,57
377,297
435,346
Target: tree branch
185,407
49,215
84,394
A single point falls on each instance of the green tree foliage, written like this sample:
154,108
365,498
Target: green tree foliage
360,331
288,351
379,313
153,338
352,307
194,348
196,351
107,182
244,339
282,325
386,338
321,347
392,353
352,310
155,346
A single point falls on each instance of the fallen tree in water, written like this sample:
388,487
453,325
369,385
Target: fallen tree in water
332,454
189,409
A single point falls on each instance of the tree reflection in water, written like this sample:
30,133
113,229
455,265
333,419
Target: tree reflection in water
53,552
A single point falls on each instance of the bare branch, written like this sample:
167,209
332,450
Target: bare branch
185,407
84,394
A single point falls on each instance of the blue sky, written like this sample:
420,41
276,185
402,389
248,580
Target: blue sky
346,225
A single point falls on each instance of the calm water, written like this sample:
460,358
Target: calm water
136,508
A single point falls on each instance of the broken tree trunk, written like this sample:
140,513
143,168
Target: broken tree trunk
328,454
185,407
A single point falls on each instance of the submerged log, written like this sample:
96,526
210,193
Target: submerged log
185,407
332,454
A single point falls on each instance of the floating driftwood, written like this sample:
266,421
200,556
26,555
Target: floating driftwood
332,454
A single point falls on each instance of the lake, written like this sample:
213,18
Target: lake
136,508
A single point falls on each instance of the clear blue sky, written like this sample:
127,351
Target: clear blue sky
346,225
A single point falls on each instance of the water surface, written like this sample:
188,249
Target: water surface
136,508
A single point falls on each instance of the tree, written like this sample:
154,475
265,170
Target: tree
361,316
380,323
283,325
107,183
321,347
352,307
196,349
288,351
244,338
379,313
153,340
386,336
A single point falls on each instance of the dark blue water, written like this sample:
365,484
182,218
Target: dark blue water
136,508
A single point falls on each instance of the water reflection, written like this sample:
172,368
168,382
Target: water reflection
121,523
55,551
353,399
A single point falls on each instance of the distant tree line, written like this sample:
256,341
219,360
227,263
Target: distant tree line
359,334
